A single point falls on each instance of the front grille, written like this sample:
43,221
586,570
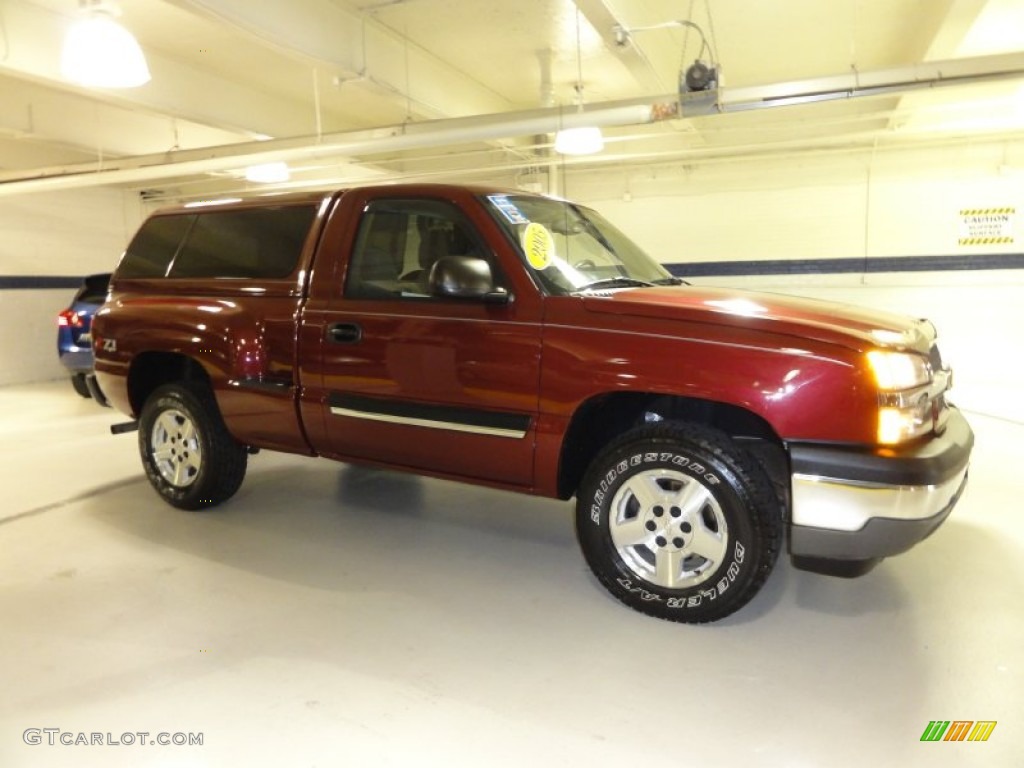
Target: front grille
940,408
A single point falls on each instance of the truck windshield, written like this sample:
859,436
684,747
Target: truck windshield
572,249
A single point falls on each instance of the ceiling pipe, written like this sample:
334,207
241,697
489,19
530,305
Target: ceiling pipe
927,75
506,125
399,138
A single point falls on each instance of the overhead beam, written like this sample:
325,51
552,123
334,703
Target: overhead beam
34,37
358,47
34,112
953,29
483,128
944,30
352,144
604,17
17,152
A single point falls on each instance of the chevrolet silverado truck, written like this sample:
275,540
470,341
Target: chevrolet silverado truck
523,342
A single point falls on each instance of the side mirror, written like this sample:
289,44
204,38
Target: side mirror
465,277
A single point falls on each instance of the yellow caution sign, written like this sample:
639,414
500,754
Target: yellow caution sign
985,240
987,226
987,211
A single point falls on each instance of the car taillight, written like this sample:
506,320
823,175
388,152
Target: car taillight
69,319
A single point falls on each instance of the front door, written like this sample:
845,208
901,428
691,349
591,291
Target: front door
443,385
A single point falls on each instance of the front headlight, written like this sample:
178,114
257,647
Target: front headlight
904,399
896,371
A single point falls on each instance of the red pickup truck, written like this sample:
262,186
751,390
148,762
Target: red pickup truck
523,342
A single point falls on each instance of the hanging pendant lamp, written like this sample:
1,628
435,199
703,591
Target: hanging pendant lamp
99,52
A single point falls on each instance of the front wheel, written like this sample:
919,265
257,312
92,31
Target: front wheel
189,456
679,523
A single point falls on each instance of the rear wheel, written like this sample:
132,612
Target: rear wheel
677,522
189,456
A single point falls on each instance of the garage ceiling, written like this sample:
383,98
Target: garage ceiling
348,90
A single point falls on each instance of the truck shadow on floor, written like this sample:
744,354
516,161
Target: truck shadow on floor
344,527
349,528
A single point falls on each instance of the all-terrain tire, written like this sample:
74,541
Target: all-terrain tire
678,522
189,456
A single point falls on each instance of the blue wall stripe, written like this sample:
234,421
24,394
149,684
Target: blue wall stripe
981,261
36,282
847,266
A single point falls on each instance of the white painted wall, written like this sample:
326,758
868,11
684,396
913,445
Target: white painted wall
896,202
863,205
55,234
866,205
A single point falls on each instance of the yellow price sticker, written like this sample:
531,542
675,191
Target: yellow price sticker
538,245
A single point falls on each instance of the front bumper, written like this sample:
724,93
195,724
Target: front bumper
855,504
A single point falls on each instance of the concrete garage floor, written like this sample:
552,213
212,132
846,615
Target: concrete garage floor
330,615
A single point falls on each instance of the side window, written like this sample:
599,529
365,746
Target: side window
256,243
150,252
397,244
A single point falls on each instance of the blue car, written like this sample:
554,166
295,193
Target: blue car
74,326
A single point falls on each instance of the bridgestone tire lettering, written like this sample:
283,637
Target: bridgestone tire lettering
676,521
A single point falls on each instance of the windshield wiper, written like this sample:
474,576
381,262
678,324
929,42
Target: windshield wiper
613,282
671,281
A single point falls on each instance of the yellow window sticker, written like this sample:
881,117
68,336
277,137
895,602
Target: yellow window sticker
538,245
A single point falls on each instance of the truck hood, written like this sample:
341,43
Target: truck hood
831,322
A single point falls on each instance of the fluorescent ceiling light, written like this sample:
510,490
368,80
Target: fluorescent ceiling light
100,53
212,203
268,173
579,141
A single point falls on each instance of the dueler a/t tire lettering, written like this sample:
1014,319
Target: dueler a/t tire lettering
189,456
678,522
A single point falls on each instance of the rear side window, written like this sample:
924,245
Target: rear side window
259,242
152,249
253,243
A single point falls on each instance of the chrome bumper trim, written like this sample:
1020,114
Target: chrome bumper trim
842,505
